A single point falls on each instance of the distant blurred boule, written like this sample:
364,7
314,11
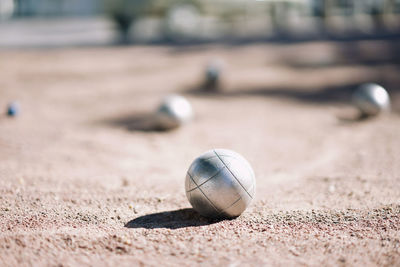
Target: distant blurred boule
213,74
174,111
371,99
13,109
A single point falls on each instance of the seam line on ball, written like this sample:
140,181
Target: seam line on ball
228,156
236,201
206,180
251,188
233,174
212,204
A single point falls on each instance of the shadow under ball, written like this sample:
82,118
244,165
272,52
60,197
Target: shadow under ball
220,184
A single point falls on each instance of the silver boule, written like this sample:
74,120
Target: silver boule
213,74
173,112
371,99
220,184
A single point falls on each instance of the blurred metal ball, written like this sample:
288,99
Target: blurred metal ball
220,184
213,74
371,99
173,112
13,109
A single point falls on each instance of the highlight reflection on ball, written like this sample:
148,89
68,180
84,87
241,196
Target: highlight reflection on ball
371,99
173,112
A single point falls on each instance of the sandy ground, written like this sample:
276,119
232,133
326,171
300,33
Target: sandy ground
83,182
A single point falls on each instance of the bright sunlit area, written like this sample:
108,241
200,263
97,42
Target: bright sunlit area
199,132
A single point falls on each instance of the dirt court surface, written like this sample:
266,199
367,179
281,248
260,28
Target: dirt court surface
85,181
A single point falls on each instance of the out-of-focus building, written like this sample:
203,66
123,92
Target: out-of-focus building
58,7
155,20
6,9
93,7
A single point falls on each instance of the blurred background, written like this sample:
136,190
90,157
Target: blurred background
103,22
312,51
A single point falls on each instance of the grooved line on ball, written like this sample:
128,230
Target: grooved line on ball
233,175
212,204
228,156
252,187
236,201
206,180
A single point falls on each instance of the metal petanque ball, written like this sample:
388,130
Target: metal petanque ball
371,99
220,184
13,109
213,74
173,112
